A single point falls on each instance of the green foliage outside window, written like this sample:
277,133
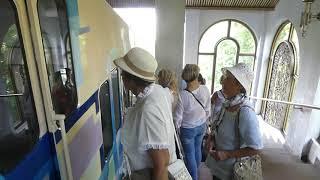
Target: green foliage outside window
7,45
243,37
226,52
226,56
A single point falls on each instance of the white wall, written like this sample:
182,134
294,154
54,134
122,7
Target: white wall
197,21
303,124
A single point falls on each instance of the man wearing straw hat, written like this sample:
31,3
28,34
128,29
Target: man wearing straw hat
147,134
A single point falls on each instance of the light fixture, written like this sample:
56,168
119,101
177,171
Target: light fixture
307,16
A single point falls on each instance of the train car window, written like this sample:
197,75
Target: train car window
56,45
19,129
126,95
106,119
116,97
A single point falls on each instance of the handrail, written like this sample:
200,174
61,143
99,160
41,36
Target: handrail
10,95
286,102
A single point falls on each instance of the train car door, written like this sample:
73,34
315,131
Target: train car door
51,38
25,145
72,119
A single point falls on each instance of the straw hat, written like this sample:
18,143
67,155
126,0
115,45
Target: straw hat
139,63
243,73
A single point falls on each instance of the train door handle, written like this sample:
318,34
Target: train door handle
55,124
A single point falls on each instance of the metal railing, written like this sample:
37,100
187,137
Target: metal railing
10,95
296,105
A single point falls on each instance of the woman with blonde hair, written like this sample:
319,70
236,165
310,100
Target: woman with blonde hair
168,79
191,113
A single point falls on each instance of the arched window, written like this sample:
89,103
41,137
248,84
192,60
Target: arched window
282,74
19,129
225,43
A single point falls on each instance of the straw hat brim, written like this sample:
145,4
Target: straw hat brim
120,62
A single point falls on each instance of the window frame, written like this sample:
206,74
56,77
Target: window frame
272,52
117,123
27,56
227,37
66,39
110,118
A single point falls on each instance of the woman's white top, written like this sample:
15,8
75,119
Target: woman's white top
188,112
148,125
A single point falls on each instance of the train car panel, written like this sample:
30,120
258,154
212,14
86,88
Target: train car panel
30,61
70,51
94,168
84,141
100,42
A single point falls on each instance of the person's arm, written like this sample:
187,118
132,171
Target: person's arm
207,103
160,160
250,136
223,155
214,97
178,113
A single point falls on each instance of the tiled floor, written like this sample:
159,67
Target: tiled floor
277,163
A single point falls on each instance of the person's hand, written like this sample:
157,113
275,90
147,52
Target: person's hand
219,155
178,131
214,97
209,144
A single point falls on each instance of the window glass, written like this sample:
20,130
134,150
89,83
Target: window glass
205,62
248,60
243,36
106,118
212,36
127,99
226,57
227,51
116,97
56,44
19,128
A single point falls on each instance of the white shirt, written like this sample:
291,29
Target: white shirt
189,113
148,125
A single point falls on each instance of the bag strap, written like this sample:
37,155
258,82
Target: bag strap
178,145
196,98
175,134
237,130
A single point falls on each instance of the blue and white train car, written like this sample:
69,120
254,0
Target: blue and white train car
60,94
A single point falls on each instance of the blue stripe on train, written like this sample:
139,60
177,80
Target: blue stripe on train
39,163
76,114
42,161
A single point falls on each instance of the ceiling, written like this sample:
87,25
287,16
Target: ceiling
203,4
